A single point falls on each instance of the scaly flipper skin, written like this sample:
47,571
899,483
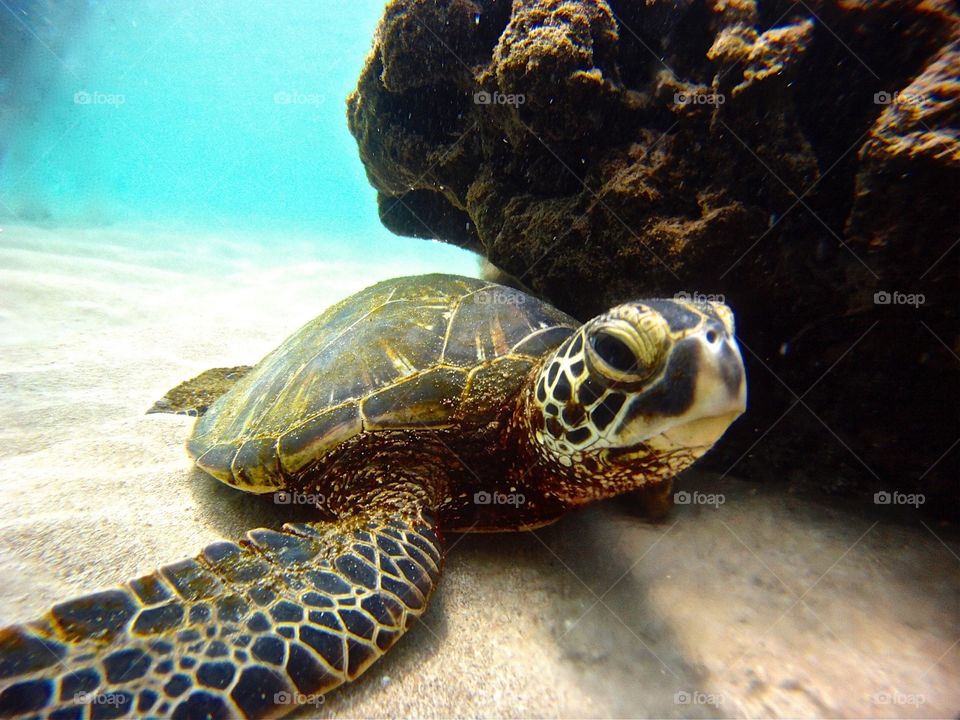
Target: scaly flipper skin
244,630
192,397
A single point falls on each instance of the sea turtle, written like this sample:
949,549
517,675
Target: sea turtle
419,406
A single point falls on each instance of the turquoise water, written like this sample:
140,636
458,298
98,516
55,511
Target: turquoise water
214,116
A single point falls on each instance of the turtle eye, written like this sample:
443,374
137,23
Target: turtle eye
614,352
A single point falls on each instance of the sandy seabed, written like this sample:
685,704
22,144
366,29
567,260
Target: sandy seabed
766,605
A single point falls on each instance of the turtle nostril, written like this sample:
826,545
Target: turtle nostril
712,336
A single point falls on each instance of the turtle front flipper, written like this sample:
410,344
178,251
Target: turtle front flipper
244,630
193,397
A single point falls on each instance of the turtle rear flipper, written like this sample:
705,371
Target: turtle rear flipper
247,630
193,397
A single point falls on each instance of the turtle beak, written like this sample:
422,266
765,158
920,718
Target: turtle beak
695,434
722,382
719,398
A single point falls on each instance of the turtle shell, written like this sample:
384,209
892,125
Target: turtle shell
421,352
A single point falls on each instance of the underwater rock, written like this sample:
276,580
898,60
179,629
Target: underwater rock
801,161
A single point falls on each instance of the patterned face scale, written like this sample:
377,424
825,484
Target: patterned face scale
622,362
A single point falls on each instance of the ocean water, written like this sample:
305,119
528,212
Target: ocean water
206,118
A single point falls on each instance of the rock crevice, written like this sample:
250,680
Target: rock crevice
802,160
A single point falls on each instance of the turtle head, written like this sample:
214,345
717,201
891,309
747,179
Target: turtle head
637,394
